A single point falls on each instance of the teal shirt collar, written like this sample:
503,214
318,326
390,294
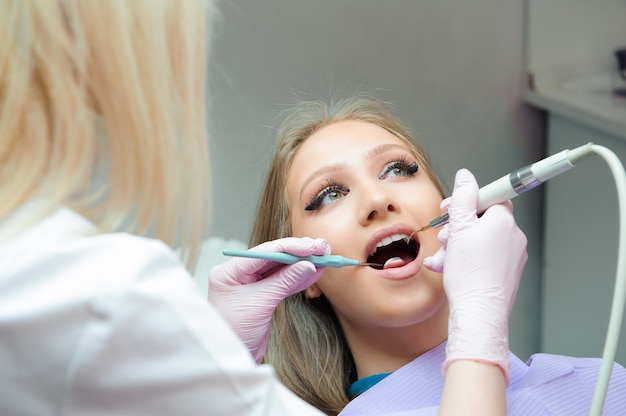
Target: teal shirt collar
364,384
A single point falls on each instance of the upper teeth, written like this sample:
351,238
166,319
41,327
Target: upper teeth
388,240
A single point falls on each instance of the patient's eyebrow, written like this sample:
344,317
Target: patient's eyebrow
375,151
336,166
331,167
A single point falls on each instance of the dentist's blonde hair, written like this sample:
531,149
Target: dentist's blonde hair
102,109
307,346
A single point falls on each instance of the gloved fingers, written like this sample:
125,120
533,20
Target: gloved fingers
508,204
435,262
500,217
239,271
297,246
503,207
444,234
513,291
443,205
289,280
464,198
304,246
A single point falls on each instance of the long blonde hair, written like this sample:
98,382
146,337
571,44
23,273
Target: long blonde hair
307,347
103,110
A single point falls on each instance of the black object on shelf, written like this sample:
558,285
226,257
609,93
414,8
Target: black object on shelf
620,56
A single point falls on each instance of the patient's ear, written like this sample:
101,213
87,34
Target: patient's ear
313,291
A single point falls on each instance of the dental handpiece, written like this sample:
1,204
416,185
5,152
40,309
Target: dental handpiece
517,182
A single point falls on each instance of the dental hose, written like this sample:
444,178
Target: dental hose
619,293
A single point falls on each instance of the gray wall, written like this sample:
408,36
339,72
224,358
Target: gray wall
453,70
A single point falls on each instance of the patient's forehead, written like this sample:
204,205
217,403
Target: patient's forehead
337,149
342,138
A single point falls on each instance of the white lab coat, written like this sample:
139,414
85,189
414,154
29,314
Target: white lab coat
113,325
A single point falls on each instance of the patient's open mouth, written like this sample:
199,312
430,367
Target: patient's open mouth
394,251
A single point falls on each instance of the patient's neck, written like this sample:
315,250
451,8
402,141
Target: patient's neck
384,350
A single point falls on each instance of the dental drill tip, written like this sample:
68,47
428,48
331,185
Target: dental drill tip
424,228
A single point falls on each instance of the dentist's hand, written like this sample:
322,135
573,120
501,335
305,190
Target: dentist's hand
482,260
247,291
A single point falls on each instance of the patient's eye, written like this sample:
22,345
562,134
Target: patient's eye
399,168
330,193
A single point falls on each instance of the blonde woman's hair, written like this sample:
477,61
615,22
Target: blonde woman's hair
103,110
307,346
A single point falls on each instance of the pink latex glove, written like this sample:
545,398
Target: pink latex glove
482,260
247,291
